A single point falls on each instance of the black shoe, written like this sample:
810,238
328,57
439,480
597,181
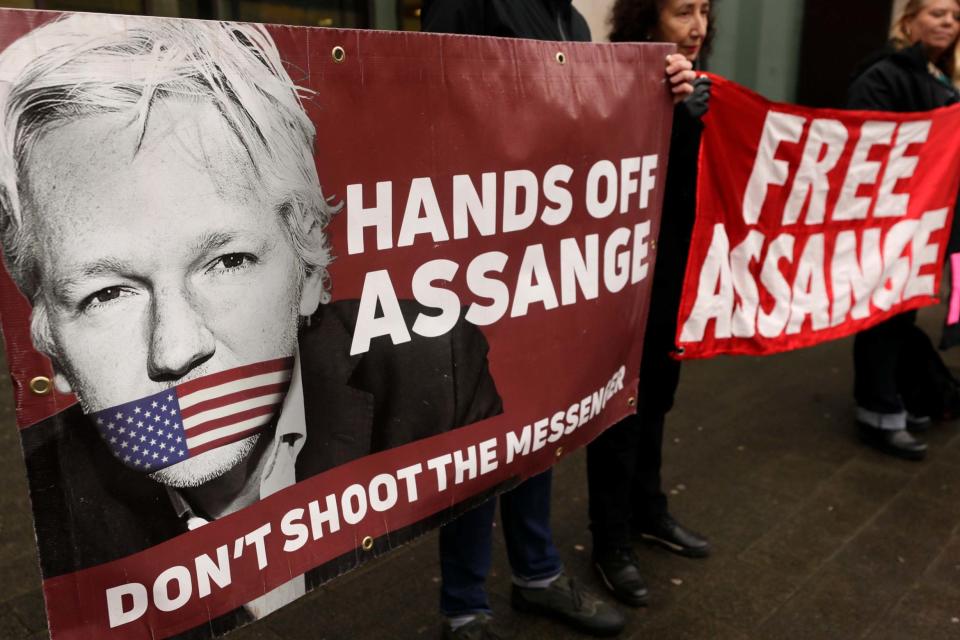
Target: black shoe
480,628
899,442
620,571
673,536
918,424
567,601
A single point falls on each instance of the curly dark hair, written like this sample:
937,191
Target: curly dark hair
634,20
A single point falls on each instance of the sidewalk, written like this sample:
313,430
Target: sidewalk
815,536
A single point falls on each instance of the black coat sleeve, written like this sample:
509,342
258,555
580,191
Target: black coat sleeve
874,90
455,16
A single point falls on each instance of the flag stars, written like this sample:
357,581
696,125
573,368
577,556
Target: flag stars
156,417
166,423
170,398
155,455
123,430
139,423
163,408
124,444
143,438
152,442
148,414
126,458
170,435
136,448
154,404
119,416
150,428
136,409
110,426
179,439
113,440
164,459
129,420
163,446
159,432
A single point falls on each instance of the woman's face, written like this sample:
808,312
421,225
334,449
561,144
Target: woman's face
936,26
684,22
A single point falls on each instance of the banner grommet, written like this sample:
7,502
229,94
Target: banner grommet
41,385
631,401
561,57
367,543
559,451
338,54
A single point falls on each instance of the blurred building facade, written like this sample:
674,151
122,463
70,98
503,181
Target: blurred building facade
788,50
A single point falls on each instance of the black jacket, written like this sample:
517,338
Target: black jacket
536,19
89,508
659,371
898,81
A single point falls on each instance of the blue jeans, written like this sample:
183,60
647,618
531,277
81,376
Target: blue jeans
466,545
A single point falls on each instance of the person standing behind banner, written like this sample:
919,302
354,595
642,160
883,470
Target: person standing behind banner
539,584
895,364
623,463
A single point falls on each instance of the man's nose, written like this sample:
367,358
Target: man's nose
179,337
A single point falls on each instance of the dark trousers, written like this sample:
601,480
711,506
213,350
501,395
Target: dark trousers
623,476
883,363
466,545
897,368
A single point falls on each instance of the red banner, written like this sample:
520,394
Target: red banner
813,224
303,294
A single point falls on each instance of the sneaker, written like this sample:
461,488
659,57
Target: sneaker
673,536
567,601
480,628
620,571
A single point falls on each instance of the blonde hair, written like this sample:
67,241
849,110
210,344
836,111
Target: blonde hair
84,65
900,36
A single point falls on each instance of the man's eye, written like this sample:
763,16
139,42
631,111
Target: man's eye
233,261
102,297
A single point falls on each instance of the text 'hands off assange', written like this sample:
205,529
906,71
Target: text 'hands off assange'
499,204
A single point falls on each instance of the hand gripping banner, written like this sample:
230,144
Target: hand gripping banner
813,224
277,300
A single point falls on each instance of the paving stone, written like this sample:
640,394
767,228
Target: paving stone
923,613
802,542
10,625
29,609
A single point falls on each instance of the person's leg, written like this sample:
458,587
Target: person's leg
881,415
539,585
648,501
611,468
525,512
465,556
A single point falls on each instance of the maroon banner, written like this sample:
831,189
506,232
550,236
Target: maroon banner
277,300
813,224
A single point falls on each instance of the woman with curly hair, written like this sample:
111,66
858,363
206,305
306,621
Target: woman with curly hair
623,464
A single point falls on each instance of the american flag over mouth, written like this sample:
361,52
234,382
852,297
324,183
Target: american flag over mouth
196,416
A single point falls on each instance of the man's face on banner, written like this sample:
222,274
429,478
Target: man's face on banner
160,263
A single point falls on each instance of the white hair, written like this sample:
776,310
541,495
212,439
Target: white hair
83,65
